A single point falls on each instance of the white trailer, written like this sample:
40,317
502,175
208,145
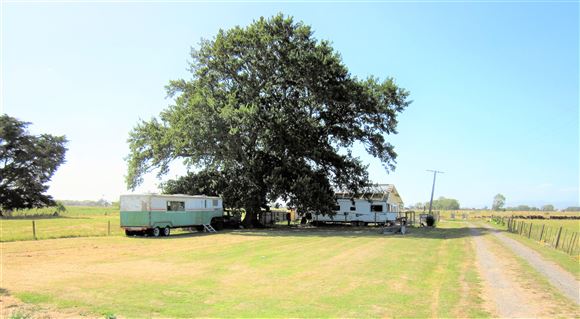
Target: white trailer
379,205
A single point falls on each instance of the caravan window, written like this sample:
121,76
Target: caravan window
173,206
336,207
352,208
215,203
376,208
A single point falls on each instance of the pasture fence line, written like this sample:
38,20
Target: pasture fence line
552,236
39,231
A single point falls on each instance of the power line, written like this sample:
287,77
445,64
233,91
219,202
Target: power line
433,188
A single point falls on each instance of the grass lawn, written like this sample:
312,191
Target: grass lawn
323,272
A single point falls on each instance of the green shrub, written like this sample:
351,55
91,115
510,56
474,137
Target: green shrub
430,220
20,315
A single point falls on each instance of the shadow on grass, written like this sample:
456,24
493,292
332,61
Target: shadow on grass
353,232
339,231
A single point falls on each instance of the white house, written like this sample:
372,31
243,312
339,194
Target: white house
379,204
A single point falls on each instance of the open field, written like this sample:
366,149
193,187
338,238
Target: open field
274,273
571,225
71,211
281,272
75,222
446,214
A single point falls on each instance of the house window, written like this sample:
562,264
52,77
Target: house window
376,208
174,206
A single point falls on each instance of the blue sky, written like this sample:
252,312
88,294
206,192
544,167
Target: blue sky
495,86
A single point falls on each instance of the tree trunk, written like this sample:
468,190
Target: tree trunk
251,219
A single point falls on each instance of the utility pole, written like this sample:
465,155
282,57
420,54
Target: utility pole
433,188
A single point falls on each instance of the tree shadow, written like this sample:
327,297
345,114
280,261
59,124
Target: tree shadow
175,236
353,232
4,292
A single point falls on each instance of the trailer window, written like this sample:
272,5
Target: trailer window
336,207
352,208
376,208
215,203
173,206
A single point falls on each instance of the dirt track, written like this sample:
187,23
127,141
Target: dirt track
558,277
508,292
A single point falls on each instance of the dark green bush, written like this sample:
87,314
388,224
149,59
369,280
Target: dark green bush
430,220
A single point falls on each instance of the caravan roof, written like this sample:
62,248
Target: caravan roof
375,192
171,196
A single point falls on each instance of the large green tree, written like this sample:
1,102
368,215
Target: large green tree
27,163
272,113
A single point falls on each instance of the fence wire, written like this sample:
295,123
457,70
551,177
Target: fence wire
557,237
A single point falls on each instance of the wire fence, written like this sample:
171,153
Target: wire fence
18,230
555,236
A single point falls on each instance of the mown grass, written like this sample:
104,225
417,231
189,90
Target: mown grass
271,273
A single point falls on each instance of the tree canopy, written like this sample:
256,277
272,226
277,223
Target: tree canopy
548,208
27,163
498,202
441,203
269,113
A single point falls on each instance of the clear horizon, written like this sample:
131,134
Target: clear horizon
495,87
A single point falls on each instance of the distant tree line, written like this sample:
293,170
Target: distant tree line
544,208
441,203
101,203
521,208
499,202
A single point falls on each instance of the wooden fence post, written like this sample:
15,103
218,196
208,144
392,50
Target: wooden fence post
109,228
564,239
570,244
558,239
530,232
542,232
574,244
34,229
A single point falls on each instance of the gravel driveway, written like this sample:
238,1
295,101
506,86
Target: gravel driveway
558,277
508,299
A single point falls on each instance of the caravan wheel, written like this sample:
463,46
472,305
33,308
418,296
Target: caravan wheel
155,232
166,231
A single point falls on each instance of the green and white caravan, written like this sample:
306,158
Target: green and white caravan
155,214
